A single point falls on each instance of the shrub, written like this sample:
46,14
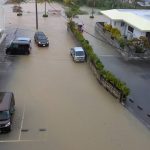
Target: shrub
139,49
144,41
108,27
122,42
115,33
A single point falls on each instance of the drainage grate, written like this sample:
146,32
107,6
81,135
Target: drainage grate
140,108
42,129
131,100
148,115
24,130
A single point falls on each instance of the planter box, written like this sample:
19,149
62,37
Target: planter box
107,85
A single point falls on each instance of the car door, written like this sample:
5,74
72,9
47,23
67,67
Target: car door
72,52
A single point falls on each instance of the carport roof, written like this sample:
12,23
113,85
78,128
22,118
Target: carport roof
131,17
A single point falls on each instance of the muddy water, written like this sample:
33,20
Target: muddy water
63,97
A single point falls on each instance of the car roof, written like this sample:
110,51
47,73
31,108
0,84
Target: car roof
23,39
21,42
5,100
78,49
39,33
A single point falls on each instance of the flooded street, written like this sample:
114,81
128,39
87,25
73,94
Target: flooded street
135,73
59,103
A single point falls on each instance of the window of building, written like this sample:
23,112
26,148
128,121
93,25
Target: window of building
122,24
130,29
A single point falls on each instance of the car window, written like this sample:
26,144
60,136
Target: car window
24,46
14,45
79,53
42,38
4,115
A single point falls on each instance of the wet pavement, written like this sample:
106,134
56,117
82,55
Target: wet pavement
59,103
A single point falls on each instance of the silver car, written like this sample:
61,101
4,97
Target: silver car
78,54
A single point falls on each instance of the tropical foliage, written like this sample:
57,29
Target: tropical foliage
139,44
73,8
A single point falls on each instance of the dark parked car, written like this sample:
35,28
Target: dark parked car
41,39
19,48
7,108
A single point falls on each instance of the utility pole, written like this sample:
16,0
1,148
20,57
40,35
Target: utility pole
36,14
92,16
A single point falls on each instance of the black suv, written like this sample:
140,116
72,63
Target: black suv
18,48
41,39
7,108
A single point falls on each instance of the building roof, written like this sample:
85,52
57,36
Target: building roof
139,19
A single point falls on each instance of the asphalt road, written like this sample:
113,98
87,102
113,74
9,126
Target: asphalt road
59,103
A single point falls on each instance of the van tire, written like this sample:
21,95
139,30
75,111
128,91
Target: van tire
8,129
27,53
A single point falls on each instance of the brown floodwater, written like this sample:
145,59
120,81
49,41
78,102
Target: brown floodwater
63,97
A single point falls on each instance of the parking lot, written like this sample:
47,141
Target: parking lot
59,103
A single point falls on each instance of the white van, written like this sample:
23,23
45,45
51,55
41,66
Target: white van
78,54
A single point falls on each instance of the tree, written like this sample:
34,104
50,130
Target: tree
135,3
18,1
73,8
45,10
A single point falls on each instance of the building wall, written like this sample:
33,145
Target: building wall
123,27
138,33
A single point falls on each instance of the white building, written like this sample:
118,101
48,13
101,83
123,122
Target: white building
131,22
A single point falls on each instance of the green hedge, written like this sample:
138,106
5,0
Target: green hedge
93,58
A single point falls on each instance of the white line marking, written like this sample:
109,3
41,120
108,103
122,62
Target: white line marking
16,141
21,123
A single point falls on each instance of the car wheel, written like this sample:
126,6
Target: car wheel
8,129
8,52
27,53
74,59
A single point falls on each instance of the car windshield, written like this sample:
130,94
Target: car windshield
79,53
4,115
42,37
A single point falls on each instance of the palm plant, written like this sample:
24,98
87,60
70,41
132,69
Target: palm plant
73,8
45,2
